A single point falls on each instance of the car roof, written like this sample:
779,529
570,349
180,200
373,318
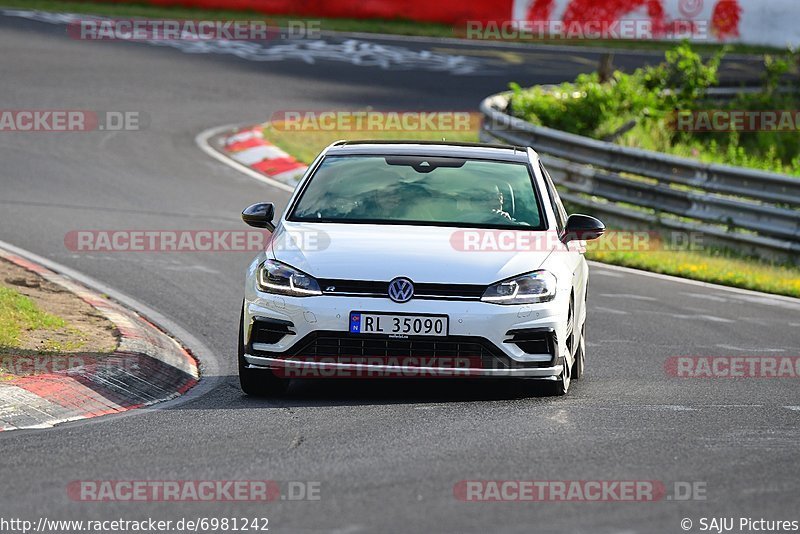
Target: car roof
430,148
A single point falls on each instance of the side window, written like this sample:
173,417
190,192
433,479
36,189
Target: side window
555,201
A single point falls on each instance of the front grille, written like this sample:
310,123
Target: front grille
478,351
331,286
370,288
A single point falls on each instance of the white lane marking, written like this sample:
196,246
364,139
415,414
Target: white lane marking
608,310
349,529
757,299
430,406
609,274
155,263
748,349
654,407
201,140
688,316
735,405
196,268
700,349
670,407
793,408
712,318
757,320
789,301
713,298
627,296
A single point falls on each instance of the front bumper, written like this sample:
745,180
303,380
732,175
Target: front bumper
472,323
312,369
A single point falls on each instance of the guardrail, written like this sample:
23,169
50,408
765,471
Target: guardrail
752,211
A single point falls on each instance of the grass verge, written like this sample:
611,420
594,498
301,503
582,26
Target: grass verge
394,27
18,313
713,266
44,328
305,145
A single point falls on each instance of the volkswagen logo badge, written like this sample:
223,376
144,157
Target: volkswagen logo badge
401,289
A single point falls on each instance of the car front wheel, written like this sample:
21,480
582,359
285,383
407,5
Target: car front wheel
580,356
560,386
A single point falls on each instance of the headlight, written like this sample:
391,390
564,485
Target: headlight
539,286
275,277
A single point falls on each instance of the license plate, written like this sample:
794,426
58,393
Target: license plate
398,325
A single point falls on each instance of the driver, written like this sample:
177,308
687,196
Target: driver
494,202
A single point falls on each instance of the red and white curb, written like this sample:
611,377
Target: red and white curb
148,367
248,147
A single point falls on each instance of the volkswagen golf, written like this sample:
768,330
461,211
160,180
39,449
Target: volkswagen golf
418,260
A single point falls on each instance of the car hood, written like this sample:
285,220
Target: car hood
381,252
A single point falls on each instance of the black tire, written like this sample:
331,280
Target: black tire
560,387
257,382
579,366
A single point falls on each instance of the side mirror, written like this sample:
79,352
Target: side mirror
260,215
583,227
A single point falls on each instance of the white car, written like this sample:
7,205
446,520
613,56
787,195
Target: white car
418,259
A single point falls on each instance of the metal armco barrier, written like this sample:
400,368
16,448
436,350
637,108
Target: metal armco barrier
751,211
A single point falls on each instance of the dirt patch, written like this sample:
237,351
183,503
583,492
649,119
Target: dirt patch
87,335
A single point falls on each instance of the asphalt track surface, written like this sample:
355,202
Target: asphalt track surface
387,453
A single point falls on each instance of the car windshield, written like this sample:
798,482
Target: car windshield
436,191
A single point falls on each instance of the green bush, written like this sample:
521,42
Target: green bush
645,101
